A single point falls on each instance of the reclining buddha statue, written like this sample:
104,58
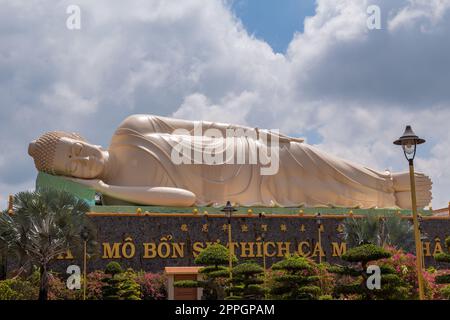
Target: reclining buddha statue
146,164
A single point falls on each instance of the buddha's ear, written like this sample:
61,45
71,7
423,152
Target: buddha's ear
32,148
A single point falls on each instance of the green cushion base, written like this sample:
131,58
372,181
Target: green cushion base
82,192
45,180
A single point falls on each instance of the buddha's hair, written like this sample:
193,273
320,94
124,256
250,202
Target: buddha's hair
43,149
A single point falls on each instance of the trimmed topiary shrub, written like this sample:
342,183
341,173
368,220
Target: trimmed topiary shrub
352,280
215,274
296,279
365,253
120,285
113,268
246,283
129,288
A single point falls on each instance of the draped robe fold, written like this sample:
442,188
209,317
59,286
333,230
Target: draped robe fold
306,175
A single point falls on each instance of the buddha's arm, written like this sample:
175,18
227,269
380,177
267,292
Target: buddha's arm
163,196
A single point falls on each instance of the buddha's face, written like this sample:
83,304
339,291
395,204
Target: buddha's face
78,159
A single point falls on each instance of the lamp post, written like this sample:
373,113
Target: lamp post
11,205
229,209
263,239
319,232
423,238
409,142
84,234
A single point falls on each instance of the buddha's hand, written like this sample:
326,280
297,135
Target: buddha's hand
96,184
402,187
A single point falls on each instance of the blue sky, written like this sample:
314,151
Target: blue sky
274,21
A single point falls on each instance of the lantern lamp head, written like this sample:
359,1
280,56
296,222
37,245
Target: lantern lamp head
228,209
318,221
409,142
84,234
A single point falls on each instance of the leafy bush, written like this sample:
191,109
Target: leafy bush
214,255
352,280
214,258
153,286
405,266
446,292
113,268
18,289
94,285
58,289
120,285
444,278
129,288
246,283
365,253
296,278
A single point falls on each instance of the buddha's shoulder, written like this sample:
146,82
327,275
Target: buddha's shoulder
138,122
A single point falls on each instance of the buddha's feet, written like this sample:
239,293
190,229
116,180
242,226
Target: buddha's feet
402,187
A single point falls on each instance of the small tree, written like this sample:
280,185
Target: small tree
297,279
444,278
246,283
120,285
214,258
356,285
110,290
46,223
129,288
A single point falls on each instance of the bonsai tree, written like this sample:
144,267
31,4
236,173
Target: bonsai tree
388,230
119,285
444,278
45,224
296,280
246,282
111,288
356,285
214,258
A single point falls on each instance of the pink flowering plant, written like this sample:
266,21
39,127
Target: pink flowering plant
405,265
153,286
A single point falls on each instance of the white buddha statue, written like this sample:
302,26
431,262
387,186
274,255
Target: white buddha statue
139,168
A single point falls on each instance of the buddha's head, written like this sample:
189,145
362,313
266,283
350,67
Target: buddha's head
67,154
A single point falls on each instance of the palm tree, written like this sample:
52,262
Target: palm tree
388,230
46,223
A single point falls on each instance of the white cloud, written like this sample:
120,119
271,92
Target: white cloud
421,14
231,108
352,88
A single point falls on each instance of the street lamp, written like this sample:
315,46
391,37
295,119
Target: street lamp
319,231
11,205
263,239
409,142
229,209
84,235
423,238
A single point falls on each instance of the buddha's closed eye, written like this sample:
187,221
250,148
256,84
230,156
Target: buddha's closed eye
76,149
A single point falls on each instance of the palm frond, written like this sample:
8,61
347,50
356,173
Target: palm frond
46,223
